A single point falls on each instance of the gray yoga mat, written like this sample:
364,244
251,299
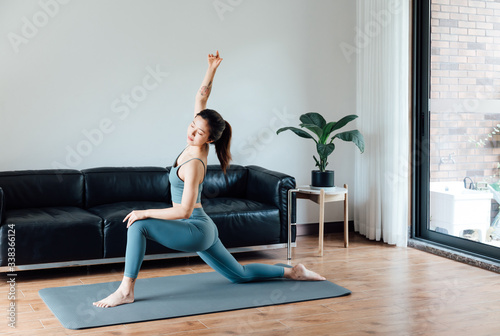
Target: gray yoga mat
175,296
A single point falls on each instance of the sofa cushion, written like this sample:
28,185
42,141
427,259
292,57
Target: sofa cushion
233,184
115,230
42,188
244,222
52,234
123,184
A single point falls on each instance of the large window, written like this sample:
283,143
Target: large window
456,143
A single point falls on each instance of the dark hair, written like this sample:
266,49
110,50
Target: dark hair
220,133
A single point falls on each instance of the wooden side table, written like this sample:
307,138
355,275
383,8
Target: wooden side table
320,197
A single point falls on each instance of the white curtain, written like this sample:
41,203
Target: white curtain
382,104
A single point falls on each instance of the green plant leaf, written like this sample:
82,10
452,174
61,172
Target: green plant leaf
313,118
354,136
327,130
344,121
313,128
324,150
297,131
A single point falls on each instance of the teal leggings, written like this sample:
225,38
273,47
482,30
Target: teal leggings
196,234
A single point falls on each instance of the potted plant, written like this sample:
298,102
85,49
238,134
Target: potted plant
315,123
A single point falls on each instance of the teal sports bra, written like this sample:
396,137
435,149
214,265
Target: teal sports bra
177,185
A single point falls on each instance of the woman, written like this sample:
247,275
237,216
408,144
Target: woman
185,226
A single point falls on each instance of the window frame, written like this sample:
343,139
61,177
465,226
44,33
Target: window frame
421,140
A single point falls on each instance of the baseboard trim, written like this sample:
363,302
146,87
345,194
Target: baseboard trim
330,227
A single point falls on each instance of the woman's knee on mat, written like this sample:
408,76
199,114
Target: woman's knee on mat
235,275
234,278
237,279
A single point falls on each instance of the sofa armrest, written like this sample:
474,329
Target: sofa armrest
2,206
271,187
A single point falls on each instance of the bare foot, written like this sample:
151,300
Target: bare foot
300,272
119,297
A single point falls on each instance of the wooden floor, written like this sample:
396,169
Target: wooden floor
395,291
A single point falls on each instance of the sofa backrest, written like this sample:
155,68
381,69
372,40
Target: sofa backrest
96,186
41,188
122,184
233,184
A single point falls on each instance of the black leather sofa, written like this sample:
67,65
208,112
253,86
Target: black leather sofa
72,217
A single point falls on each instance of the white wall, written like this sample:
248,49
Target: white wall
64,74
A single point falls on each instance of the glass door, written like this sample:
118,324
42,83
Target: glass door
457,124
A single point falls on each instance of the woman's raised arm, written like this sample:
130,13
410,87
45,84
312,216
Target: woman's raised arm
200,102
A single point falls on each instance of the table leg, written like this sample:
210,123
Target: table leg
346,219
289,241
321,220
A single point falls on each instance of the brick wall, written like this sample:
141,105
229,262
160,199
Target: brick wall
465,49
465,68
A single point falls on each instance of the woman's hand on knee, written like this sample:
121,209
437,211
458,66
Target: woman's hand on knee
135,216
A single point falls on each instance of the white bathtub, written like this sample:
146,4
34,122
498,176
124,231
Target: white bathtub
456,209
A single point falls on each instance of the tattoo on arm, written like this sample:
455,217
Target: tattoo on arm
205,89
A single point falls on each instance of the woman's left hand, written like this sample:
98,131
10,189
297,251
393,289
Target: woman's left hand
135,216
214,60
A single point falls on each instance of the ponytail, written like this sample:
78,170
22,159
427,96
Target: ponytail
222,147
220,134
